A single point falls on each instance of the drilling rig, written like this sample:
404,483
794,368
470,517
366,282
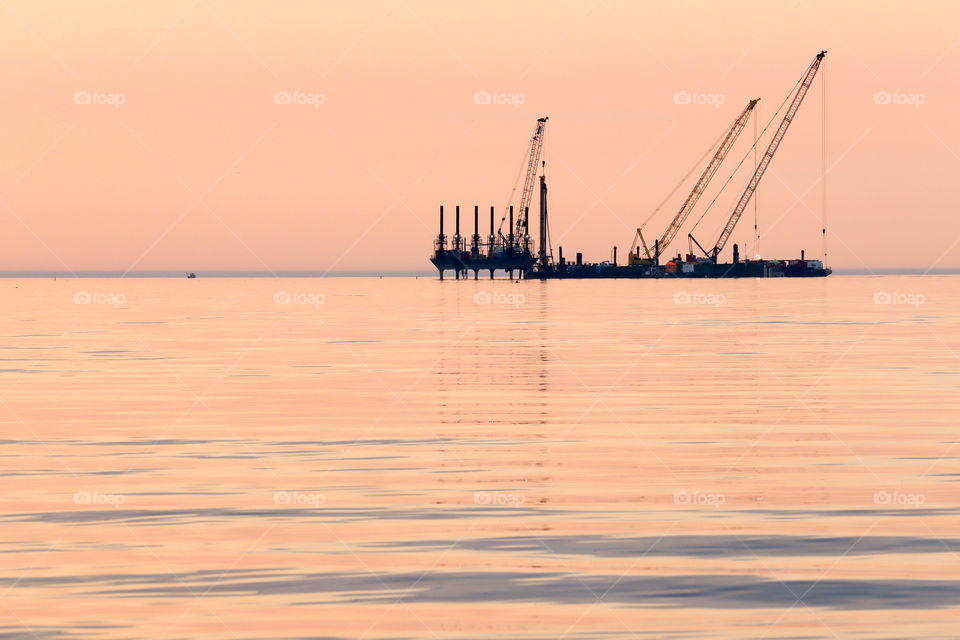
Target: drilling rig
513,252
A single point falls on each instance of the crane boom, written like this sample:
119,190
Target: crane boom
705,177
526,196
767,156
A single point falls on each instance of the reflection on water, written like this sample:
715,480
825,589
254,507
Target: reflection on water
405,458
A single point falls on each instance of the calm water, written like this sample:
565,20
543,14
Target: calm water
400,458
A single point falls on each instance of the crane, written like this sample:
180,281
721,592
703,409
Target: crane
530,179
805,83
711,169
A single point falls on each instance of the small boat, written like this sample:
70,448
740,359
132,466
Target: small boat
191,275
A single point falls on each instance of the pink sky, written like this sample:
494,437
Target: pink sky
199,169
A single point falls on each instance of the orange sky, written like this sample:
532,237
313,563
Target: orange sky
199,168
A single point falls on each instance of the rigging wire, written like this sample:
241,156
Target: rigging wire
747,154
513,191
756,193
543,172
823,162
712,147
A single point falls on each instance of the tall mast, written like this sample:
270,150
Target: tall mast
543,255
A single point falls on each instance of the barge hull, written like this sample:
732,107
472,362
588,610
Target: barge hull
758,269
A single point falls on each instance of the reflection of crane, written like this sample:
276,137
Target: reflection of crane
530,179
805,83
711,169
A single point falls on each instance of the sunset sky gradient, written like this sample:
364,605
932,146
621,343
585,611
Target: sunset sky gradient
200,169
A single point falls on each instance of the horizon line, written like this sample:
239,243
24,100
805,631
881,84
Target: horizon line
371,273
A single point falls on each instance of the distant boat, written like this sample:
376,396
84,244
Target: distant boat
191,275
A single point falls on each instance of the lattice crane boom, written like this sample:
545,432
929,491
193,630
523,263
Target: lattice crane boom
767,156
530,180
709,171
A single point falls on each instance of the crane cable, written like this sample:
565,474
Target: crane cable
823,162
747,154
513,191
715,144
756,195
